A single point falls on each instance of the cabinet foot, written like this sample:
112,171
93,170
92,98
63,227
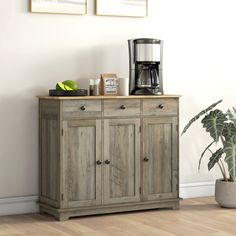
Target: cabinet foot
62,217
176,206
41,211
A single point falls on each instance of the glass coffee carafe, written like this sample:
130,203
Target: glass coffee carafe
147,76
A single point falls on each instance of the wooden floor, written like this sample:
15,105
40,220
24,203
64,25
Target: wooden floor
196,217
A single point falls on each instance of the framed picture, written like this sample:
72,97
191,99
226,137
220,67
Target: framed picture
132,8
59,6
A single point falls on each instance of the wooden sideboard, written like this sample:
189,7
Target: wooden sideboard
108,154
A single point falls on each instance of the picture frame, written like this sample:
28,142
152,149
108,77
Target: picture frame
74,7
125,8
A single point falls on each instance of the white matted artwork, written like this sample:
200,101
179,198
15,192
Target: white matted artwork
133,8
59,6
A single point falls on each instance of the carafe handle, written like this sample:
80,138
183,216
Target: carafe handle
154,76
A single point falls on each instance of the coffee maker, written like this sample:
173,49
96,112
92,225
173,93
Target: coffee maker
145,66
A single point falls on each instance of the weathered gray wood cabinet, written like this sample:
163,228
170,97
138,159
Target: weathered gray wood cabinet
108,154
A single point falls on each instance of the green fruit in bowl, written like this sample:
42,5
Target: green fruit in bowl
61,86
67,85
72,84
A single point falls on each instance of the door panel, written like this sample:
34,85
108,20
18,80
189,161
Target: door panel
49,161
82,149
122,160
160,156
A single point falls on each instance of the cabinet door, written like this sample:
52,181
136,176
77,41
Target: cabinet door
121,160
160,158
81,167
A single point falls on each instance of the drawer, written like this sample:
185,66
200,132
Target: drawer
166,106
122,107
73,109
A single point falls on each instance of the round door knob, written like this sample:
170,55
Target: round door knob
83,108
146,159
99,162
107,162
161,106
123,107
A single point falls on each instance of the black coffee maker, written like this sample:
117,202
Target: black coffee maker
145,76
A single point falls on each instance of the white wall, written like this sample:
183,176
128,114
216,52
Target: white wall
37,50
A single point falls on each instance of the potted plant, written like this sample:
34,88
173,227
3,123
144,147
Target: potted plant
222,129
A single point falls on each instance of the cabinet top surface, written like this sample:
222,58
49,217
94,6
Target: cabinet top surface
107,97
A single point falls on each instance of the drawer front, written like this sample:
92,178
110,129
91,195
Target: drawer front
167,106
81,108
122,107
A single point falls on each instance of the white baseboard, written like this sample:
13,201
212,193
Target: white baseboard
18,205
192,190
28,204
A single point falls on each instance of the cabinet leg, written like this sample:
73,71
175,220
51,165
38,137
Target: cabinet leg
175,206
62,217
41,210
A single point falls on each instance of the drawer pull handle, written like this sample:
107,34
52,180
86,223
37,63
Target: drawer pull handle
99,162
146,159
83,108
107,162
123,107
161,106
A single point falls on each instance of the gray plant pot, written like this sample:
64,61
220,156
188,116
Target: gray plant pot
225,193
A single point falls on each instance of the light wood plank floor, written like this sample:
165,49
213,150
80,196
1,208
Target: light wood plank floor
196,217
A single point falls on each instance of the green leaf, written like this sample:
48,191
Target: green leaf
195,118
229,130
203,153
230,158
232,115
214,123
215,158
